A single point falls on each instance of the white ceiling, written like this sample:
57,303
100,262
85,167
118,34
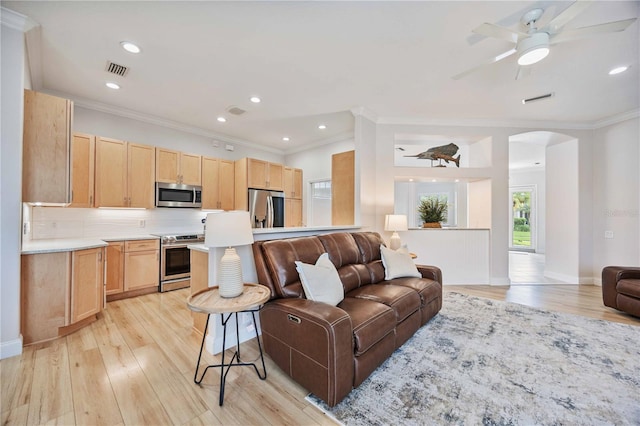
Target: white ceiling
313,62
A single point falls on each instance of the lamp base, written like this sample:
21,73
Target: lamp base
395,242
230,274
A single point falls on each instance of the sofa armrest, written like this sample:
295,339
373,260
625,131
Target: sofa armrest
313,343
431,272
610,277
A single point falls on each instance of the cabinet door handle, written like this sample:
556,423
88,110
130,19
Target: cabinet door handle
91,199
100,256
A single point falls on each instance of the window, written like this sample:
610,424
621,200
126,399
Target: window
320,206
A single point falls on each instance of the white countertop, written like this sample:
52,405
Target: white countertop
73,244
58,245
304,229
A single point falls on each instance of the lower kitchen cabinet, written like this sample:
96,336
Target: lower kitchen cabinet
133,268
60,292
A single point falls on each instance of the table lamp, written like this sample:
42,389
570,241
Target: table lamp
229,229
395,222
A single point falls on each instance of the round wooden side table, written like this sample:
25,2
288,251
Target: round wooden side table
209,301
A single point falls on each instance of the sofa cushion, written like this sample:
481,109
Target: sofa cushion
426,288
279,257
403,300
397,265
371,322
369,245
630,287
342,248
321,281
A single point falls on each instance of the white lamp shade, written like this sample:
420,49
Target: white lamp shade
228,229
395,222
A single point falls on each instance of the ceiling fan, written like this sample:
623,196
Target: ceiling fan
533,46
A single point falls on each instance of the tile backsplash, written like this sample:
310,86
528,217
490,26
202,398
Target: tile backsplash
64,222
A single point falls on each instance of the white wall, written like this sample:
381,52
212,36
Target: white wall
562,225
479,208
367,207
616,179
316,165
534,177
12,63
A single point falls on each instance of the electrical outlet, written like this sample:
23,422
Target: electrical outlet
142,223
608,235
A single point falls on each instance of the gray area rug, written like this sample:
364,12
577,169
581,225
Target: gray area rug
482,361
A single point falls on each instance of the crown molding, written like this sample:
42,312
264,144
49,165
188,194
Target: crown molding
16,20
333,139
475,122
618,118
159,121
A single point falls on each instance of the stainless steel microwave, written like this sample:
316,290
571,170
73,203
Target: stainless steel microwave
178,195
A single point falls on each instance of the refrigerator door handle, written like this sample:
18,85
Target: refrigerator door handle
269,211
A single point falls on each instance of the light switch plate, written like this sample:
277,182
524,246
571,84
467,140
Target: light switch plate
608,235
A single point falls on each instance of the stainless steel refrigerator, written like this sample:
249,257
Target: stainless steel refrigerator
266,208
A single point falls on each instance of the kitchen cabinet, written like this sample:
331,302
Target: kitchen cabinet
218,184
125,174
83,148
343,188
87,296
293,183
259,174
133,268
115,268
46,163
178,167
292,212
60,292
265,175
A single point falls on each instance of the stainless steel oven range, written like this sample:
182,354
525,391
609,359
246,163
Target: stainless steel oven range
175,260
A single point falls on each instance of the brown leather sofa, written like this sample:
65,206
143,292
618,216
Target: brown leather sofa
332,349
621,288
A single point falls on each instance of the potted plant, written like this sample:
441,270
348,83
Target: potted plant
432,211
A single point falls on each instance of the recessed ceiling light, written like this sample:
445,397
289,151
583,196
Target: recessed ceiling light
410,180
255,99
112,85
322,127
130,47
433,180
618,70
286,139
221,119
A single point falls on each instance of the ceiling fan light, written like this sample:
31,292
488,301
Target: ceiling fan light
533,49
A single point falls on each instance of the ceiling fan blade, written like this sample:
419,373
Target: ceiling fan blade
567,15
523,72
609,27
496,31
484,64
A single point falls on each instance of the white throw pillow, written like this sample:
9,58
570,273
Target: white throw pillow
397,264
321,281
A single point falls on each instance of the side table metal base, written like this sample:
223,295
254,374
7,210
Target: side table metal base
235,359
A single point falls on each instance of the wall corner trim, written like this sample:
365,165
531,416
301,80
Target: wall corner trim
11,348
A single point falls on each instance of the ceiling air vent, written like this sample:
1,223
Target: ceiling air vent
537,98
116,69
235,110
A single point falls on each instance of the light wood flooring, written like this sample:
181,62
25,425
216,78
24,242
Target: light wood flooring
135,366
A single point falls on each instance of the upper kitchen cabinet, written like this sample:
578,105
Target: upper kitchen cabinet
46,162
265,175
258,174
83,150
125,174
218,183
178,167
293,183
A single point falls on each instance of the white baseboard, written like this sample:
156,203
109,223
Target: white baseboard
569,279
500,281
11,348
